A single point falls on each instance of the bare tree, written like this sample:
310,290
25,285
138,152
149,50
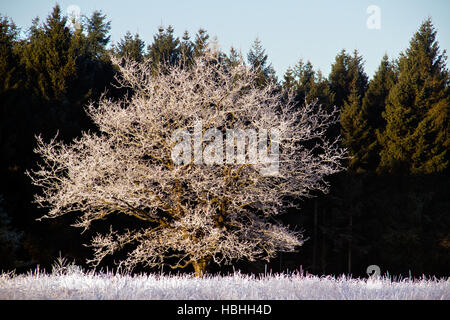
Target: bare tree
207,208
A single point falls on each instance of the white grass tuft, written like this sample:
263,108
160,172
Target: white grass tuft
68,281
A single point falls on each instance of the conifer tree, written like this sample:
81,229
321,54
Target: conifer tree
165,48
373,105
131,47
186,47
289,81
339,78
10,85
8,58
358,77
416,138
98,33
305,76
321,91
308,84
234,58
343,71
49,58
354,127
200,43
257,59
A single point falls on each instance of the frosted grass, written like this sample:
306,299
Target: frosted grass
73,283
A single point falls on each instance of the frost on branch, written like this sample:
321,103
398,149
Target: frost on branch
195,212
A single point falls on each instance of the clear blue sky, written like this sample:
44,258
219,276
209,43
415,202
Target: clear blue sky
289,30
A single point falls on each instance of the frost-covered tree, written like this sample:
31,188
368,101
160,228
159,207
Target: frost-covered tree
208,208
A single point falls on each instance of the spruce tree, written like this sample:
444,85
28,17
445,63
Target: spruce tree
321,91
305,75
98,33
130,46
165,49
234,58
354,128
416,138
358,77
347,74
339,78
8,58
48,57
308,84
200,43
186,47
343,72
289,81
257,59
373,105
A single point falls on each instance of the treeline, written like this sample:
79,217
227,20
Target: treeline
390,208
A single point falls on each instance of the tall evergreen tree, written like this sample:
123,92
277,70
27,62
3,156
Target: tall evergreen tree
416,138
48,57
321,91
10,87
165,48
8,58
347,75
308,84
373,105
234,58
289,82
300,79
98,33
186,47
354,128
343,72
359,79
132,47
257,59
201,43
339,78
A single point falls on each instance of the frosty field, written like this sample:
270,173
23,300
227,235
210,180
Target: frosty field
74,284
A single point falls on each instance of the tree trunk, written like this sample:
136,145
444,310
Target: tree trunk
200,267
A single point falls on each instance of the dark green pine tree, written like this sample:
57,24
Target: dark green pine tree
289,82
340,79
321,91
356,74
347,74
373,105
48,57
257,59
234,58
94,69
165,49
354,125
130,46
201,43
301,79
343,71
308,84
9,78
186,48
10,95
98,33
354,128
416,138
